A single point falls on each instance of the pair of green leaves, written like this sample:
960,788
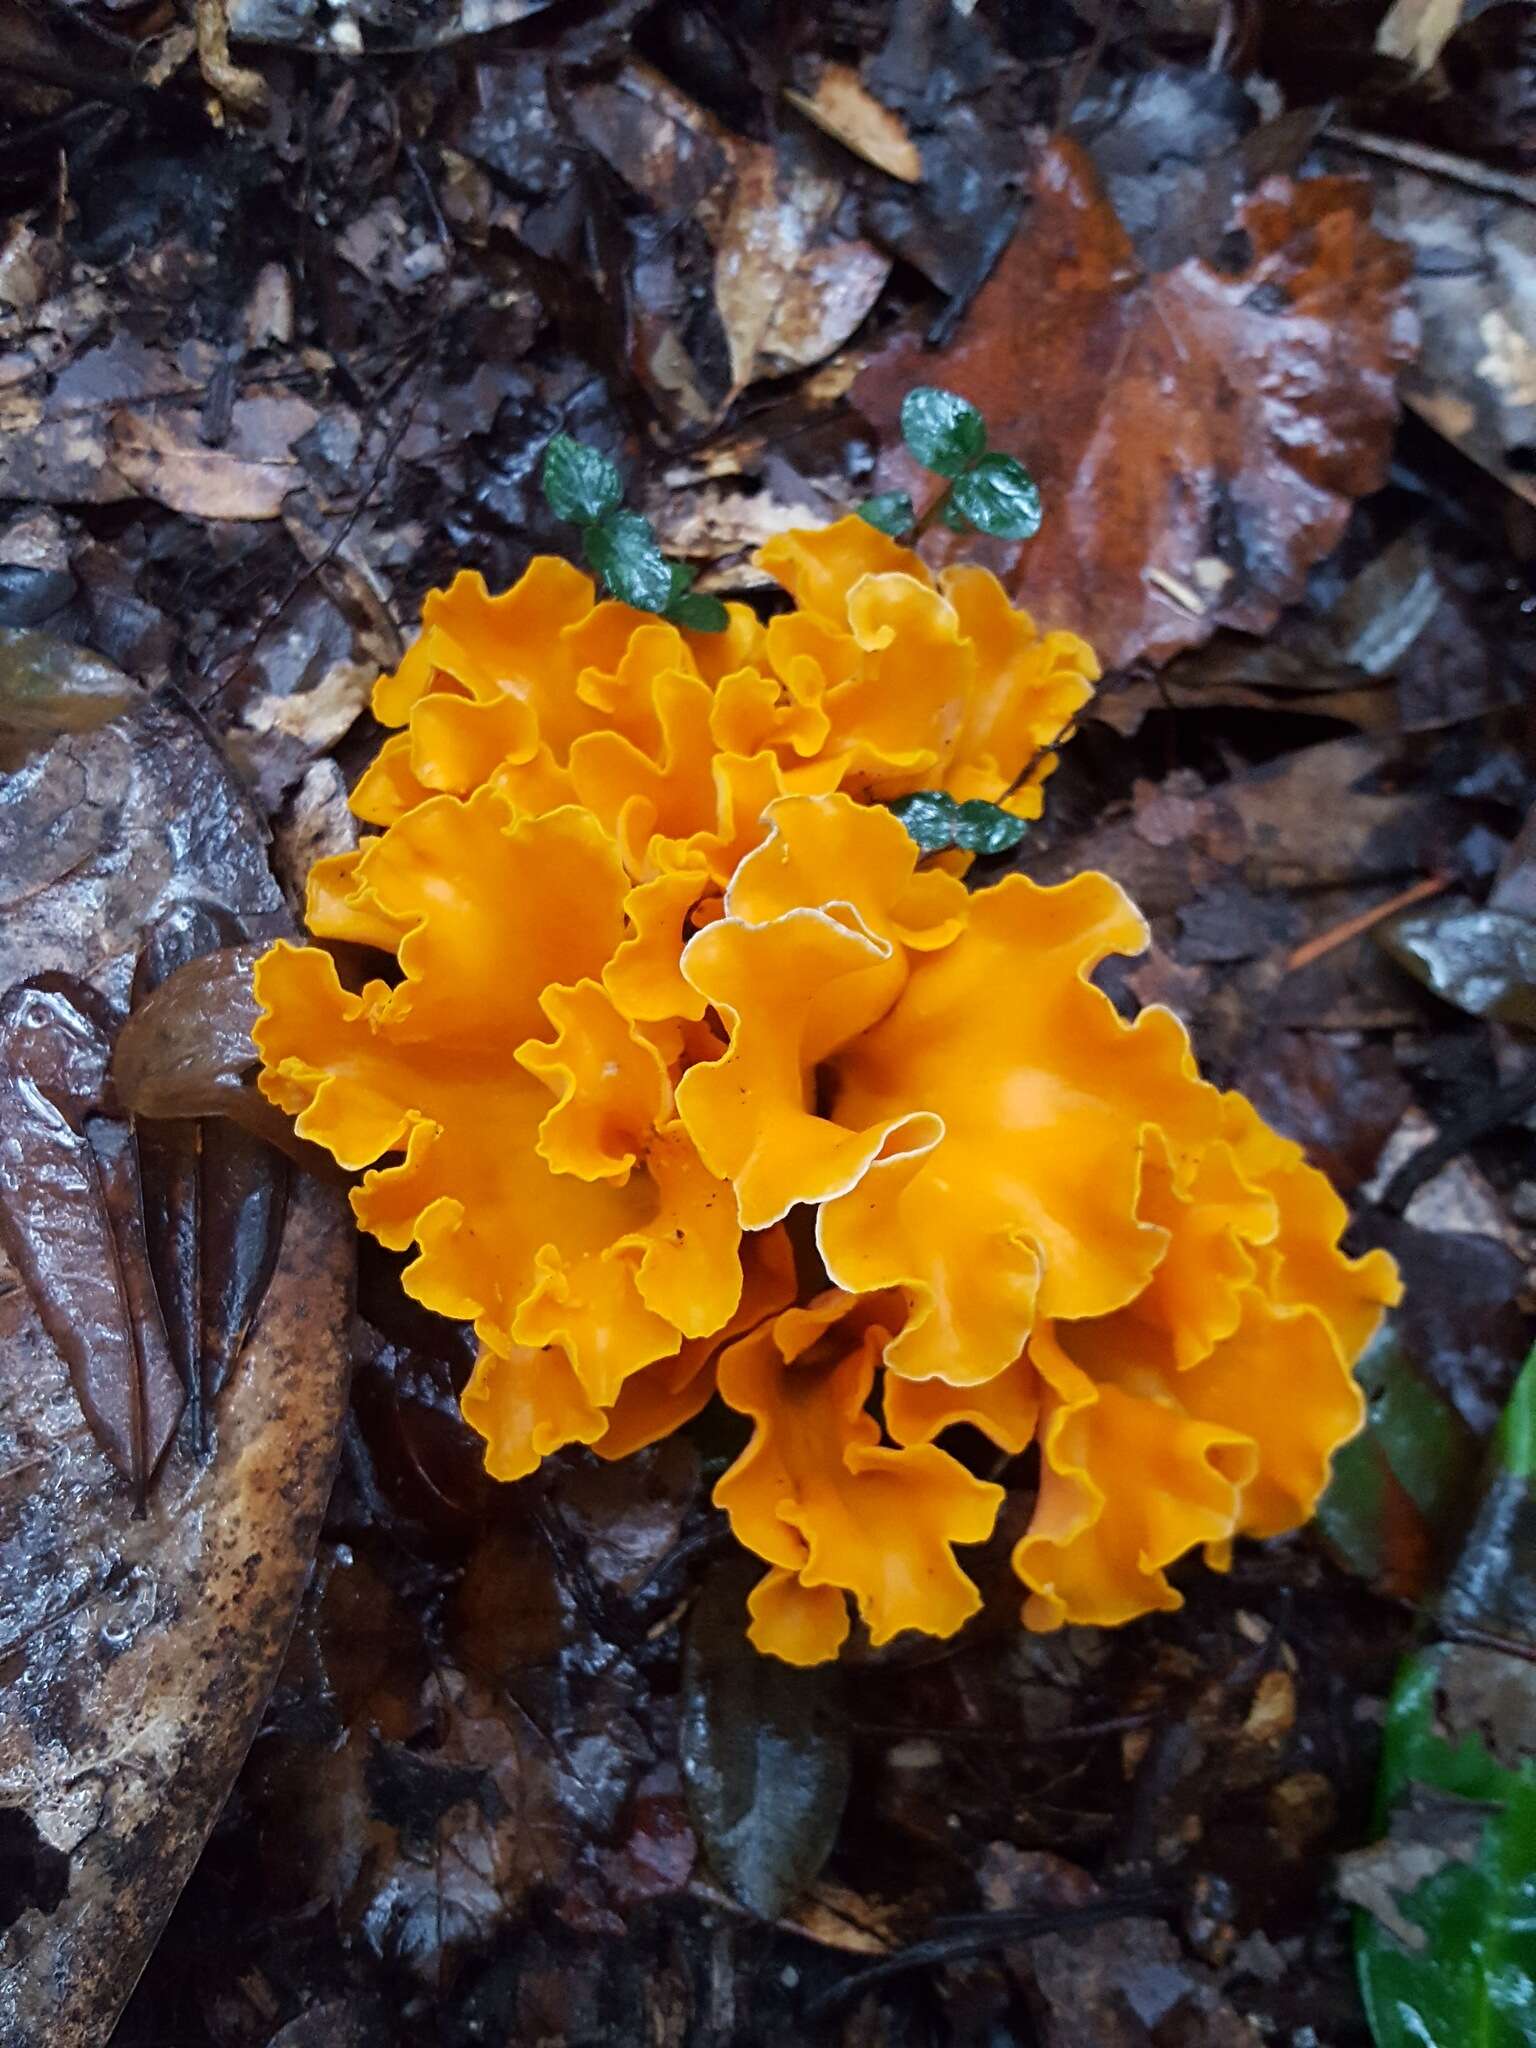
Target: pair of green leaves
937,822
582,485
988,492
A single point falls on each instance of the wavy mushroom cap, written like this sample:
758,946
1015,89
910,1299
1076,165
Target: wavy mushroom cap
659,973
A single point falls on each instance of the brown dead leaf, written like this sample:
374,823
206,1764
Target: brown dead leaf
235,84
791,282
135,1652
162,455
843,107
319,716
1198,434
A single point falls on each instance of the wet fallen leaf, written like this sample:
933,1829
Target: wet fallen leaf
213,1196
163,456
765,1762
1400,1490
1195,450
48,687
843,107
135,1653
1418,30
397,24
186,1051
318,717
792,281
103,829
1447,1954
71,1223
1479,957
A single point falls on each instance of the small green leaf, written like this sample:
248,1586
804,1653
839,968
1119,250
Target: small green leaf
936,822
1446,1945
580,484
981,827
890,512
930,816
1000,497
955,521
943,430
697,613
622,549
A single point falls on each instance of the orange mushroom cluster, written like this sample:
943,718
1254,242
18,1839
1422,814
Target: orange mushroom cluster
674,1012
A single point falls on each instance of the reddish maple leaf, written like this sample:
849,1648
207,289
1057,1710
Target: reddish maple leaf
1198,435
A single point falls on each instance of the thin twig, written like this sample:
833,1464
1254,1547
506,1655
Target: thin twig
1474,1638
1437,163
1486,1113
1364,921
995,1930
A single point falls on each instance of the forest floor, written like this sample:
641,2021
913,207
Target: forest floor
285,324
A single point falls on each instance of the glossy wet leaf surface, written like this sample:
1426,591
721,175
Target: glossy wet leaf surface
764,1757
136,1643
1401,1490
1481,958
213,1195
71,1220
48,687
1142,398
462,1820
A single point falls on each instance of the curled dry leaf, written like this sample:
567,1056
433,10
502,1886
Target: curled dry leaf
70,1220
1196,443
214,1198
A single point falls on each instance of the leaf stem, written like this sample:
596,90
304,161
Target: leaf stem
925,519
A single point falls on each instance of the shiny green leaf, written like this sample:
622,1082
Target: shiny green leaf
981,827
698,613
890,511
580,483
930,816
943,430
1401,1486
999,497
622,549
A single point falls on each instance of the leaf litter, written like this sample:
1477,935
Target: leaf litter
268,377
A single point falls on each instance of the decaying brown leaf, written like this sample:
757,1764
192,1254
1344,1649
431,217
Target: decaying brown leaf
1198,435
71,1222
843,106
213,1199
135,1654
48,687
163,455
